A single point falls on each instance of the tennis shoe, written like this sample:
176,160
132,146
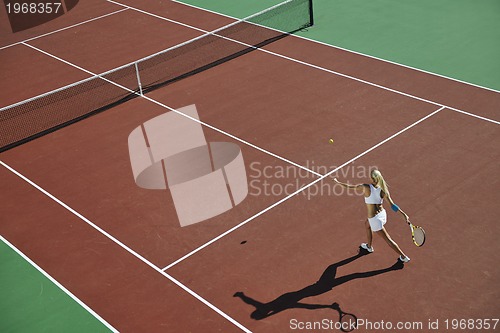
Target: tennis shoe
365,246
404,259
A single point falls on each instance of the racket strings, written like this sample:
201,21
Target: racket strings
419,236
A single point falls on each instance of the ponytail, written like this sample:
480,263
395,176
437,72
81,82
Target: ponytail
380,181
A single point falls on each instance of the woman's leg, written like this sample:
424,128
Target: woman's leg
385,235
369,233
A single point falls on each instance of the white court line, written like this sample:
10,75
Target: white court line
62,29
67,63
474,115
157,16
125,247
300,190
313,66
60,286
350,51
174,110
233,137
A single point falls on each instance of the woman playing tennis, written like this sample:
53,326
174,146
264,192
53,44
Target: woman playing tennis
374,195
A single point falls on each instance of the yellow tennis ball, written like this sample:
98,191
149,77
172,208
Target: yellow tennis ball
331,140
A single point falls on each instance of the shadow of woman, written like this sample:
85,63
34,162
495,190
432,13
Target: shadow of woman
326,282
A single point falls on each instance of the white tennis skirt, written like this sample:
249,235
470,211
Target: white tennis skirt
377,222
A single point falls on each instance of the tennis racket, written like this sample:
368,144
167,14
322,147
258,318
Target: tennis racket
348,321
417,234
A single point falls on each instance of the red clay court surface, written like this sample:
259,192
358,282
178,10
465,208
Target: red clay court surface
69,201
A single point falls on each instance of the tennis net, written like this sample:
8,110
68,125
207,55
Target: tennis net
32,118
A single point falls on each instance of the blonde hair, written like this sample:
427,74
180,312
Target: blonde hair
380,181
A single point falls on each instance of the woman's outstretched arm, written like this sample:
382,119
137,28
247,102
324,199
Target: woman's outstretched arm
347,185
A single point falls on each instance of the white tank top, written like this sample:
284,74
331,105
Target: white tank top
375,196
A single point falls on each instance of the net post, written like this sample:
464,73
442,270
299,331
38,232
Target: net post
138,78
311,13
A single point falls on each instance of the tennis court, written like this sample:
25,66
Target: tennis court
115,255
